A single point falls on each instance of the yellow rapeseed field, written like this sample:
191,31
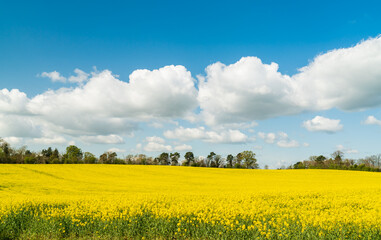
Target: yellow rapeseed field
165,202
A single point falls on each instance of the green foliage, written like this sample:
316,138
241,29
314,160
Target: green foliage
249,160
337,161
108,158
229,160
89,158
29,223
174,158
73,155
189,158
164,159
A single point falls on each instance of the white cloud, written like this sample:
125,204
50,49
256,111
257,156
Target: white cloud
155,139
54,76
281,139
102,106
188,134
183,147
49,140
185,134
269,137
80,78
156,144
346,150
156,125
13,140
106,105
19,126
347,79
372,120
230,97
287,143
117,150
322,124
245,125
244,91
13,101
103,139
157,147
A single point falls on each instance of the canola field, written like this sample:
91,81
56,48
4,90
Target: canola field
165,202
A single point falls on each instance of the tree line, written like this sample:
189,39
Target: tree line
337,161
74,155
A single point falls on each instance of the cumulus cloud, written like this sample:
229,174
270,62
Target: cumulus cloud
183,147
287,143
13,140
100,107
372,120
80,78
117,150
340,147
103,139
200,133
155,139
54,76
269,137
227,98
163,93
13,101
49,140
322,124
281,139
156,144
347,79
19,126
244,91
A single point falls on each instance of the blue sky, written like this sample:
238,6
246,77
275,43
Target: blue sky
244,104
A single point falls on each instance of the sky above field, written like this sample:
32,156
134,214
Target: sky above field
285,79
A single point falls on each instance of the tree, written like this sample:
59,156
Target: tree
47,152
89,158
164,159
217,161
175,158
337,157
4,152
298,165
55,158
108,157
18,155
376,160
249,159
112,157
319,160
238,160
73,155
229,160
189,158
210,159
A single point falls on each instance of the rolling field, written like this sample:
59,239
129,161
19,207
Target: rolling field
164,202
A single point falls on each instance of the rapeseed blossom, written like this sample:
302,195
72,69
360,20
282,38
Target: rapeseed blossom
185,202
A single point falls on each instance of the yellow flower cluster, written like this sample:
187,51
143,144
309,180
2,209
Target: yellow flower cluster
270,202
